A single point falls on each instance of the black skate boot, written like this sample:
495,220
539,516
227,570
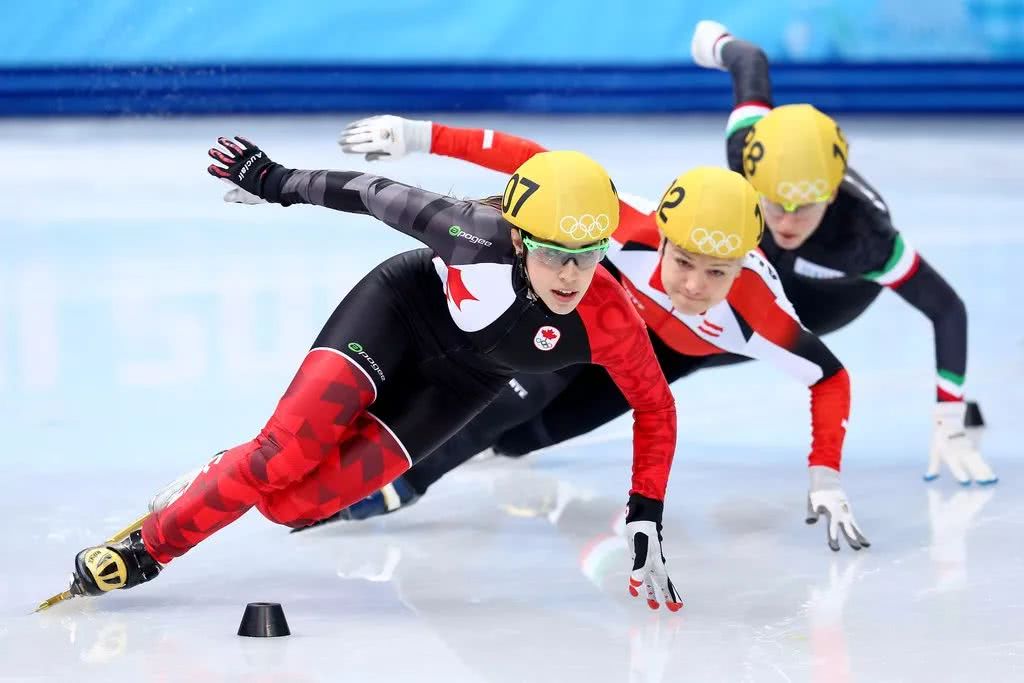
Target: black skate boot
104,568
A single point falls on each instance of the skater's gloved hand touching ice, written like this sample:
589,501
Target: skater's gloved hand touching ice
245,165
643,536
953,447
826,498
385,136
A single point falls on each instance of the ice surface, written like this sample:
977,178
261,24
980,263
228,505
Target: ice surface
145,325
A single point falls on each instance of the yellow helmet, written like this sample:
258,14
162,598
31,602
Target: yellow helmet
562,197
711,211
795,155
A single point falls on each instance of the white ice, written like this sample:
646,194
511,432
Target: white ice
145,325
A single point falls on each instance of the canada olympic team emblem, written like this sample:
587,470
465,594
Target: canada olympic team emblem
546,338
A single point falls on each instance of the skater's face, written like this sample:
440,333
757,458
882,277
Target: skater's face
695,282
560,283
792,225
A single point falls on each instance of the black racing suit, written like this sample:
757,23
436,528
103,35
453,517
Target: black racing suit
835,275
440,332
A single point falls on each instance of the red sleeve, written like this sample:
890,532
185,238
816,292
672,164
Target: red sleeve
759,306
830,410
755,301
487,148
619,342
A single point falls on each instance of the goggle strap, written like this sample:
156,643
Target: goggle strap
534,244
791,207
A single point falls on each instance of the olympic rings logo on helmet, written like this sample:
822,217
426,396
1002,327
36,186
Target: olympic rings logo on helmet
584,227
714,241
803,191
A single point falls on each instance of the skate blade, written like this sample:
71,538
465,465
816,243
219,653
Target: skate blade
50,602
117,536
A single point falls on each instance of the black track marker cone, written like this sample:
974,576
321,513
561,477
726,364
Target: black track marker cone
263,620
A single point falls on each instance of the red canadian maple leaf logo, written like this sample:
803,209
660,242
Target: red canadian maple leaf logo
456,289
546,338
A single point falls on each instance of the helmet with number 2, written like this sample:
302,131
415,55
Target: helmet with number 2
563,197
711,211
795,155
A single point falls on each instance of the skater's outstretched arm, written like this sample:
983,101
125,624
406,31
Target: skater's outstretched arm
898,266
438,221
713,47
776,336
619,342
392,137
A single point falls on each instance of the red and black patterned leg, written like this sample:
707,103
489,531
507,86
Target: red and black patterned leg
326,396
368,458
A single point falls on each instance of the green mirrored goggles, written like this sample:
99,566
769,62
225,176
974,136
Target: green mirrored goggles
556,255
777,208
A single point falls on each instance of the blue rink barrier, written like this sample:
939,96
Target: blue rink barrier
276,89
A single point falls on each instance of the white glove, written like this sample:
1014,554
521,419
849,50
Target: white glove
643,538
237,195
385,136
952,446
709,37
826,498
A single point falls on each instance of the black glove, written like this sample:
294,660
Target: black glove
248,167
643,536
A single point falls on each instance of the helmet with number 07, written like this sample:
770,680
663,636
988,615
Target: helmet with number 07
795,155
563,197
711,211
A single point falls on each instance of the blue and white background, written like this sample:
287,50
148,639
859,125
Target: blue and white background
118,56
564,32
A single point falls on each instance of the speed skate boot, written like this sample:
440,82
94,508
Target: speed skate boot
104,568
390,498
125,563
121,561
